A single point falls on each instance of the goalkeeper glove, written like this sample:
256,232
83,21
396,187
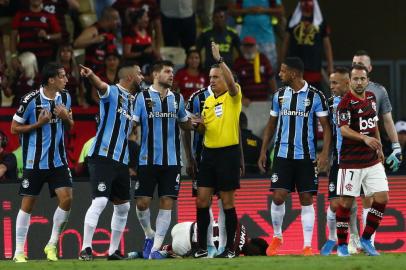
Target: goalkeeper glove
395,158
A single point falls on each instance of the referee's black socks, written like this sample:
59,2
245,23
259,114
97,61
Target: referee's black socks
203,221
231,226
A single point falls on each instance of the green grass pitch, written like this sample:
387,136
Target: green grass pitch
393,261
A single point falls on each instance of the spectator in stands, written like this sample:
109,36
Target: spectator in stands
74,86
22,77
82,168
401,130
221,34
35,30
255,73
8,162
126,7
98,39
178,23
2,54
307,37
137,44
251,145
108,75
257,23
190,78
61,9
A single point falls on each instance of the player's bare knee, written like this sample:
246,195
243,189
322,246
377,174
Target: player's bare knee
202,202
165,203
142,204
381,197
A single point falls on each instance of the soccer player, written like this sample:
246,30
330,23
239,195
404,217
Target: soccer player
219,169
41,121
108,157
294,111
384,112
361,160
185,237
339,85
160,112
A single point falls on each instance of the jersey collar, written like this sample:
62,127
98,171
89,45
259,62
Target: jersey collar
41,90
169,93
303,89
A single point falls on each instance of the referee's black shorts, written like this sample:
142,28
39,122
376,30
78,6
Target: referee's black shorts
220,168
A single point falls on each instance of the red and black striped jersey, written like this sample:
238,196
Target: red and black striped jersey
28,24
360,116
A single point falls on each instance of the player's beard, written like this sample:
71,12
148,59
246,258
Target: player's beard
359,90
166,85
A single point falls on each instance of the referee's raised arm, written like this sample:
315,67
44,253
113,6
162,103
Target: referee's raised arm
228,76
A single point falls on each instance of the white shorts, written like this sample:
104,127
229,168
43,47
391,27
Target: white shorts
373,179
181,243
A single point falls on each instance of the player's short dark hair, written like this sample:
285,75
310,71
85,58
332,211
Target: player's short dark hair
255,247
294,63
359,67
50,70
158,66
342,70
361,53
220,9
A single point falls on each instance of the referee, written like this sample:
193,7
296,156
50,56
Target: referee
220,164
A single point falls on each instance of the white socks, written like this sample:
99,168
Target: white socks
308,217
331,224
91,220
144,217
59,221
163,221
222,226
277,214
210,240
118,222
22,225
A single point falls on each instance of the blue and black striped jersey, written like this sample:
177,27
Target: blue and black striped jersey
297,122
43,148
116,108
160,143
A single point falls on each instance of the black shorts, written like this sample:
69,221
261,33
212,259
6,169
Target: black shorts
109,178
332,181
33,179
294,175
167,178
220,168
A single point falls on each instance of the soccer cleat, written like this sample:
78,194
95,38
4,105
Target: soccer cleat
50,251
86,254
327,248
146,251
156,255
227,253
212,251
200,253
220,250
354,245
116,256
368,248
20,258
307,251
273,248
342,250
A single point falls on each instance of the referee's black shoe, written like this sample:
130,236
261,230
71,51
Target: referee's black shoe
200,253
227,253
116,256
86,254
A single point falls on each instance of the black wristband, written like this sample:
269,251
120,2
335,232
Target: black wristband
221,60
